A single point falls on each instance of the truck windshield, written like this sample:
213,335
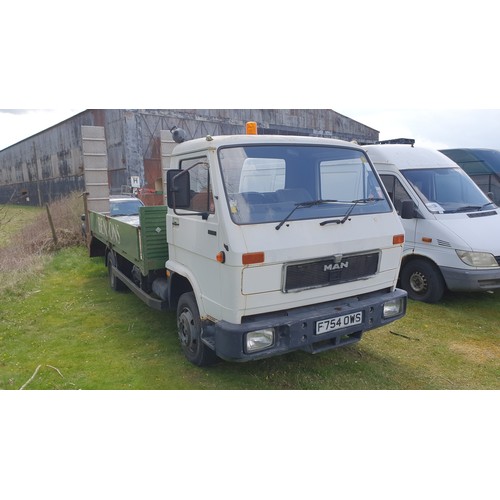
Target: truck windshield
447,190
266,183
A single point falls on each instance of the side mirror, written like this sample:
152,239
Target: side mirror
178,188
407,209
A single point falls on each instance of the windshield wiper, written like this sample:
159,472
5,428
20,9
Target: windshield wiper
351,208
303,204
469,208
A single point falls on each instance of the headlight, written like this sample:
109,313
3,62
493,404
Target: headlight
393,308
477,259
259,339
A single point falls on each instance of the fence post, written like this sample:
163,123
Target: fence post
52,228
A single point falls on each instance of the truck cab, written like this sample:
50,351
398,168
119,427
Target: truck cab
278,243
452,240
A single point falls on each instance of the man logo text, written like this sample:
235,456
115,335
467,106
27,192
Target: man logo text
334,267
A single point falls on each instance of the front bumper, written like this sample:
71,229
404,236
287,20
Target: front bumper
296,329
475,280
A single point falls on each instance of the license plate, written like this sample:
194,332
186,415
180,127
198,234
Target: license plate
339,322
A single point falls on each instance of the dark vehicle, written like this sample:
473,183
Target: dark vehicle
482,165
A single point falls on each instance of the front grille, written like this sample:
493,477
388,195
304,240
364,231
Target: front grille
329,271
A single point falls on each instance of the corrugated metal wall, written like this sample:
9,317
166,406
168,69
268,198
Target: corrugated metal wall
48,165
45,166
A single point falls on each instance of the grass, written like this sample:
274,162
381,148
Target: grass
61,327
13,219
85,336
26,240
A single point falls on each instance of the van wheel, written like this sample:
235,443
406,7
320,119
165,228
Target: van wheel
423,281
189,330
114,282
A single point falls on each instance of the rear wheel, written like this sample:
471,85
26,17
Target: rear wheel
423,281
114,282
189,330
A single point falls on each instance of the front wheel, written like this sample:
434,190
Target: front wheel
189,330
423,281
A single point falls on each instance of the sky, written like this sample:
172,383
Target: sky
434,128
19,124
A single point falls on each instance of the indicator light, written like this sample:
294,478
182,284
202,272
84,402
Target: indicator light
252,258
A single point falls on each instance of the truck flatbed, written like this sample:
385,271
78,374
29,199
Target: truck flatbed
140,239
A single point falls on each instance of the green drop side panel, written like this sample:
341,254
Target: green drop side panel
122,237
153,236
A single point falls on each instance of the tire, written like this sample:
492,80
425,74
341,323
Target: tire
189,331
114,282
423,281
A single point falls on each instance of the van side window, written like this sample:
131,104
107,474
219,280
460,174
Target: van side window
396,191
202,199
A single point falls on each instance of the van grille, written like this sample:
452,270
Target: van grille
329,271
481,214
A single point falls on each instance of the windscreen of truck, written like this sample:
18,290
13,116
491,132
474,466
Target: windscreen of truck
447,190
270,183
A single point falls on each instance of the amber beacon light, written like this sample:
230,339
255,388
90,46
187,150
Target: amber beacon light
251,128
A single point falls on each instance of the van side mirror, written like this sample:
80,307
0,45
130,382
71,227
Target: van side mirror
407,209
178,188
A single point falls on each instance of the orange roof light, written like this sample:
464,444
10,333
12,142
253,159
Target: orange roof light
251,128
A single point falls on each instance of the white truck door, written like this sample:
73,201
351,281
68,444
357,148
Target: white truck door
398,193
194,235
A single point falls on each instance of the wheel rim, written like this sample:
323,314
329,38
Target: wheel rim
187,330
419,283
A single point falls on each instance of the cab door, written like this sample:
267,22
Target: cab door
194,235
398,194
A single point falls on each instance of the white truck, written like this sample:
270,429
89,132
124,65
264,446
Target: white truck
452,241
273,244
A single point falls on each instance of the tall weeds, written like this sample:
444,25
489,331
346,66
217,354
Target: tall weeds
29,249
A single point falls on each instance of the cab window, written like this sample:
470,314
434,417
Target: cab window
201,197
396,191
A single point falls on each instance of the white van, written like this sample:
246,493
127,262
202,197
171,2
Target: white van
453,237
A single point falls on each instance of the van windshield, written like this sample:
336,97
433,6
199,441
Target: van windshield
447,190
271,183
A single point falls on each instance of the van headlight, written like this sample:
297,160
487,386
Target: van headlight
477,259
393,308
259,340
